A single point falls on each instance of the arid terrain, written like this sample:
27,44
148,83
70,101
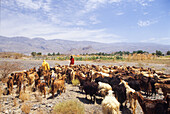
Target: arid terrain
11,104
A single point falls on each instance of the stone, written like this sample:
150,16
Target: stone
49,105
5,111
35,106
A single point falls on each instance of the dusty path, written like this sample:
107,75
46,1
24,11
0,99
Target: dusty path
27,64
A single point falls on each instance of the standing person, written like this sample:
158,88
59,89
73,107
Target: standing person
71,60
45,65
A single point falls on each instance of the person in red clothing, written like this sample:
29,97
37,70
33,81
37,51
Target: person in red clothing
71,60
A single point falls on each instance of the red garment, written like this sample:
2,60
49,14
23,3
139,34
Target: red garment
72,61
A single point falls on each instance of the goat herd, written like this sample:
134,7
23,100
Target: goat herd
116,84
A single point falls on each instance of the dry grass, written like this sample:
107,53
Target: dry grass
15,102
24,96
68,107
155,61
159,61
1,91
0,107
11,55
38,98
26,108
40,112
4,80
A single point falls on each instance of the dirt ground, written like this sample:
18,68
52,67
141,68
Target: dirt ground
45,105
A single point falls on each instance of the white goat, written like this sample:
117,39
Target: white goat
104,74
104,86
110,105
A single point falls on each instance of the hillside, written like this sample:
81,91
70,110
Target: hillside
27,45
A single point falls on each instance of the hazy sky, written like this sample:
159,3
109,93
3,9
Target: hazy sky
93,20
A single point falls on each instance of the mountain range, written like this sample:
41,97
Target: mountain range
27,45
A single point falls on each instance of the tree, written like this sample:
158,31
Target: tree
140,51
168,53
33,54
53,54
158,53
49,54
58,53
39,53
153,53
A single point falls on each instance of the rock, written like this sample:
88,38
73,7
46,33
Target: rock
43,104
5,111
10,111
49,105
34,107
6,103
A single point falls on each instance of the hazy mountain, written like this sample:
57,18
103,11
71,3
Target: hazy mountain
27,45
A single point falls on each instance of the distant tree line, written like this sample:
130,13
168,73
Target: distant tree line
36,54
53,54
120,53
39,54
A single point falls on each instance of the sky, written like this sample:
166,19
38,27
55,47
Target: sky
106,21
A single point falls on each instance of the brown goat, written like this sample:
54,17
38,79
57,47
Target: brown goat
57,85
152,106
47,77
165,88
10,84
41,87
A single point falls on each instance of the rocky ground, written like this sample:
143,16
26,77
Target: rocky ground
11,104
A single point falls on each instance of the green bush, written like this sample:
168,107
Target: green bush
68,107
119,58
75,82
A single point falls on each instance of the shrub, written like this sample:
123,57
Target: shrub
75,82
8,67
119,58
38,98
163,69
40,112
4,80
24,96
158,53
168,53
1,91
26,108
69,107
15,102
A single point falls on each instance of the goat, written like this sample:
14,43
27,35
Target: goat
10,84
41,86
131,96
103,88
57,85
152,106
90,88
165,88
110,105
